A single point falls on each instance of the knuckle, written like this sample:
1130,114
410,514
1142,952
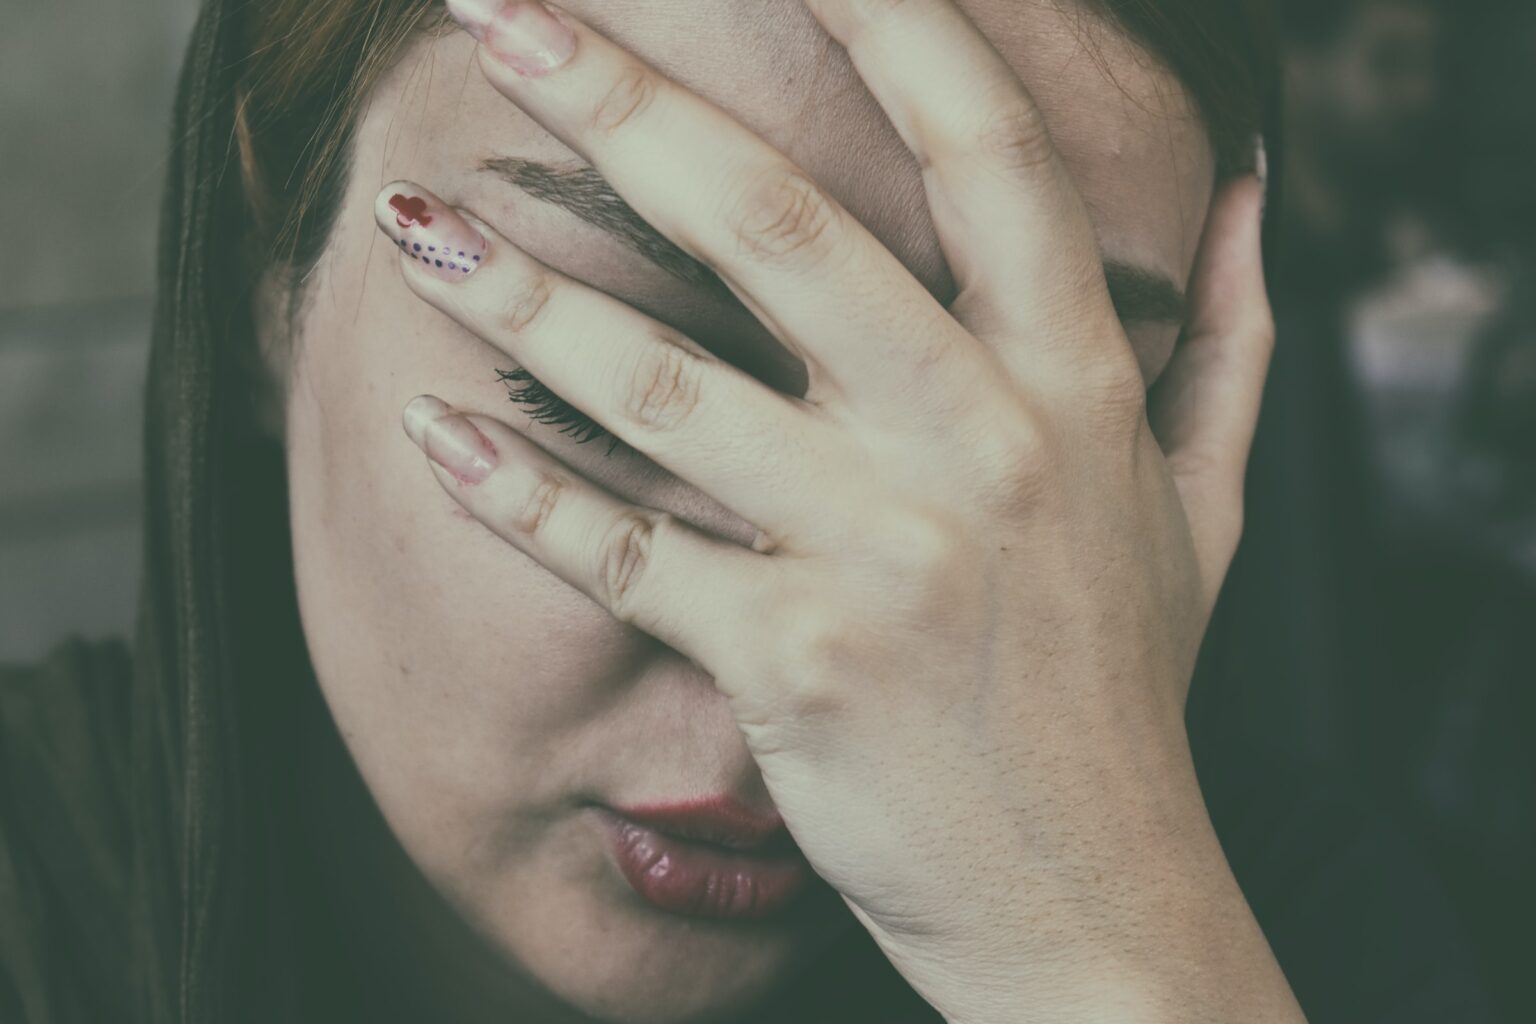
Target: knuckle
783,213
1016,140
1017,460
920,549
525,302
625,553
816,647
1209,461
632,92
1117,390
539,504
663,385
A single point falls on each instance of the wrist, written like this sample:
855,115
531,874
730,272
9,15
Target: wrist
1138,920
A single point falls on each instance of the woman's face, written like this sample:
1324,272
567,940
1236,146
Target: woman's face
488,705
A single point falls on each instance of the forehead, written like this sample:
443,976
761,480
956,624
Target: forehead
1123,124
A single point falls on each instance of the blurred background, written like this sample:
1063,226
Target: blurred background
1393,524
81,161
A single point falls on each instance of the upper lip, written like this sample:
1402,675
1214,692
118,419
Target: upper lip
722,820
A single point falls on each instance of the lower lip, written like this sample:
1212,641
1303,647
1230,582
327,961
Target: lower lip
696,879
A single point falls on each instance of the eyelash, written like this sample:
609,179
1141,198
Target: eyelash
545,406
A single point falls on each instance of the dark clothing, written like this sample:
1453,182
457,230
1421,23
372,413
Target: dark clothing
65,868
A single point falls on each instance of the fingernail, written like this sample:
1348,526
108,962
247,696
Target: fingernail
522,34
429,231
1261,168
450,440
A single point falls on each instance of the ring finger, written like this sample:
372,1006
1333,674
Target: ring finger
645,567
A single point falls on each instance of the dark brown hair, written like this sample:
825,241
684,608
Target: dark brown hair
305,70
1224,52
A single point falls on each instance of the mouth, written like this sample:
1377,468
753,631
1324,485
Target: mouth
712,858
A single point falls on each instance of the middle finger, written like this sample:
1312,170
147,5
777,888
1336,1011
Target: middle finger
805,267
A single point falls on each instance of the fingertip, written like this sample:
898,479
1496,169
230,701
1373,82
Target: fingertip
419,413
1229,268
428,231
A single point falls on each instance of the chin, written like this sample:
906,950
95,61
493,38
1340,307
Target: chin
595,946
618,960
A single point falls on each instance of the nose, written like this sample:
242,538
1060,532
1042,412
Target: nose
694,718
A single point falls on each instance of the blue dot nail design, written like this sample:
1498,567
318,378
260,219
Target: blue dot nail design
433,236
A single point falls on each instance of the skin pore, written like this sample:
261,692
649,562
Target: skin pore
483,700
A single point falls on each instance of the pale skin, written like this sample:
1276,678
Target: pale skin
941,606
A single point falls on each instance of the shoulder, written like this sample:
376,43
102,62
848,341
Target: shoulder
64,829
1357,912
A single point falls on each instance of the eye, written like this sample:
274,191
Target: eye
526,390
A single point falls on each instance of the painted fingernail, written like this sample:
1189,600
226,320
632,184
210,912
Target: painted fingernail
450,440
522,34
429,231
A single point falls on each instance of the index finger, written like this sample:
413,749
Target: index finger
816,278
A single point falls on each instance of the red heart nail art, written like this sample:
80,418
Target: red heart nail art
429,232
410,210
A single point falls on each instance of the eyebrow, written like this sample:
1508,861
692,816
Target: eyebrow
1139,295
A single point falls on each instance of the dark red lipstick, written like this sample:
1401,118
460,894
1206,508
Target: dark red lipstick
707,857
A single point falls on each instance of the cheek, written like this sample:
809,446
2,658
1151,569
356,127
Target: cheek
454,666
